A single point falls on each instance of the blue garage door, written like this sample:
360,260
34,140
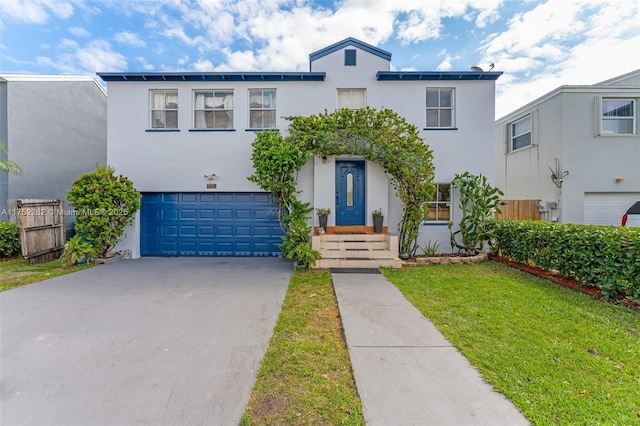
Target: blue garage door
209,224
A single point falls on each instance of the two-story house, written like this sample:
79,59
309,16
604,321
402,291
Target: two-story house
576,149
185,141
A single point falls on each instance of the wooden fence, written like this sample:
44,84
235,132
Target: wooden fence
41,223
519,210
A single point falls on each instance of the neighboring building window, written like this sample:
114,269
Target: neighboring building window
440,104
164,109
262,108
352,98
213,109
618,116
520,133
440,206
350,57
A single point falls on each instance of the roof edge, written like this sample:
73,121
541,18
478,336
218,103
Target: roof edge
350,41
437,75
212,76
52,78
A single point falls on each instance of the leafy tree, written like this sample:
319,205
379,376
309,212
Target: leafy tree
105,204
478,201
8,166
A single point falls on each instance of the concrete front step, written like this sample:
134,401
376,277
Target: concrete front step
354,237
357,250
361,253
358,263
346,245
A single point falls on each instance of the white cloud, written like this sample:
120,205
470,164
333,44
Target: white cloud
95,56
203,66
98,56
35,11
129,39
79,32
557,44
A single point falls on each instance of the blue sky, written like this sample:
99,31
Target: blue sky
538,44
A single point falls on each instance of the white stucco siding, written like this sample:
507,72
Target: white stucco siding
178,160
565,128
365,62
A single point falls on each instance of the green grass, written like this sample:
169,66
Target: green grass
17,272
306,377
560,356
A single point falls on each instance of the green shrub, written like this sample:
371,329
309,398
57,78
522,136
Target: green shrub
78,250
606,257
478,201
105,204
9,239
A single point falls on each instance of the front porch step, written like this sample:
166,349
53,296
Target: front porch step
357,253
358,263
357,250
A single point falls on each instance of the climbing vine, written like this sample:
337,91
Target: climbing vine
380,136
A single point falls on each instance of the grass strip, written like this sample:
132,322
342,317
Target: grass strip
306,377
559,356
17,272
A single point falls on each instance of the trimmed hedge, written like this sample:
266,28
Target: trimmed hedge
606,257
9,239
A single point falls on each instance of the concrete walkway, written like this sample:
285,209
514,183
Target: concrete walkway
406,372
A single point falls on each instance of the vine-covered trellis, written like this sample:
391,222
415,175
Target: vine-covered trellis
380,136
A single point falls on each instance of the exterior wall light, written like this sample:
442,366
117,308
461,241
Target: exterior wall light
210,176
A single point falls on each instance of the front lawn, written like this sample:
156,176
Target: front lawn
306,377
561,357
18,272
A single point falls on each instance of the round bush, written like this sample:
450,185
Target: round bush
9,239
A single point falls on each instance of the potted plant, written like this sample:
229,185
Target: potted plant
322,213
377,220
78,250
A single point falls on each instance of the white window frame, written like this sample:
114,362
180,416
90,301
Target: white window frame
165,109
350,92
632,117
441,203
228,109
512,135
263,109
439,108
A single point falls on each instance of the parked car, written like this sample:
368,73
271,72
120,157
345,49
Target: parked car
632,216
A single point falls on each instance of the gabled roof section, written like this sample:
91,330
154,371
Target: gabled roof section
619,79
437,75
350,42
213,76
53,78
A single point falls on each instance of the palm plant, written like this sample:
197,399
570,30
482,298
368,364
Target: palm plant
6,165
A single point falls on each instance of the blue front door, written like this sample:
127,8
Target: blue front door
350,193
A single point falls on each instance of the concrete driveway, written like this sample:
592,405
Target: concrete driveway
150,341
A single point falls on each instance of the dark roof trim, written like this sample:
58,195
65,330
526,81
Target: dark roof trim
350,42
213,76
436,75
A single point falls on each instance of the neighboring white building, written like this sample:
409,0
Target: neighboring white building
585,137
55,127
184,139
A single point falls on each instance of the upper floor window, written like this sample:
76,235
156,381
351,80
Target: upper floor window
440,104
440,206
618,116
520,133
262,108
352,98
213,109
164,109
350,57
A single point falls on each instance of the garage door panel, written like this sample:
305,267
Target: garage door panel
209,224
607,208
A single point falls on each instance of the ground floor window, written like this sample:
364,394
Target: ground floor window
440,206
